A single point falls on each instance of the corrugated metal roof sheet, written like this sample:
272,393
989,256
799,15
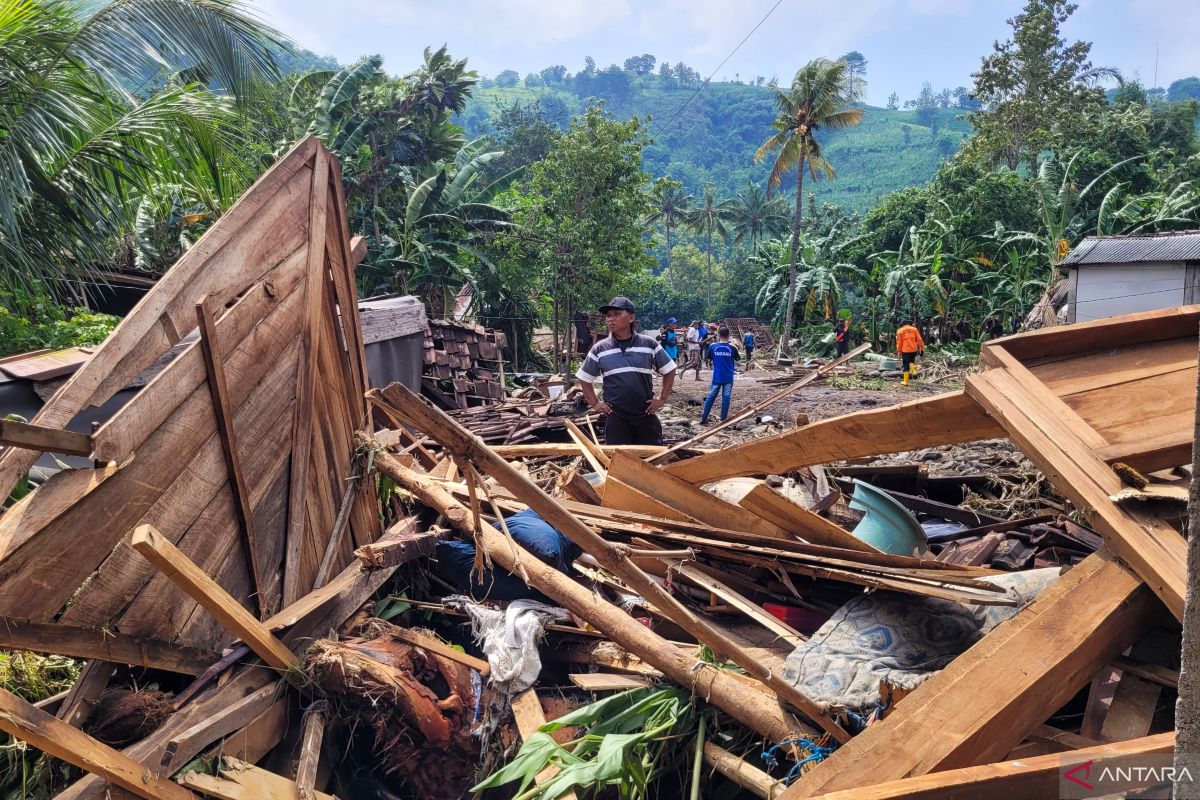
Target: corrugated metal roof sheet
1179,246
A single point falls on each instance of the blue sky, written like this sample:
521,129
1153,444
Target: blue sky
905,42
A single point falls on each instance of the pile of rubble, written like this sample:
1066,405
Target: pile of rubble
340,590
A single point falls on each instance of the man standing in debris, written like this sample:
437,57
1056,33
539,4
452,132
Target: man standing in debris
723,355
627,361
841,337
748,343
909,345
670,340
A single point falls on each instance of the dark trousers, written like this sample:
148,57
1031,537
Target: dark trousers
645,429
906,361
843,347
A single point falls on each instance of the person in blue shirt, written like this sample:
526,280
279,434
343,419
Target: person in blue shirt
748,343
670,340
724,354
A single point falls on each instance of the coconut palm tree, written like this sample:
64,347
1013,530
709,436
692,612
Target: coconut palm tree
819,99
709,218
81,147
670,207
754,217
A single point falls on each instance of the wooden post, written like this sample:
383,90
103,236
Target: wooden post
56,738
209,594
43,439
741,772
310,753
214,363
529,716
751,708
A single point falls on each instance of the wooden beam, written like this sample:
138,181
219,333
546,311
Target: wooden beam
794,518
241,781
763,405
306,380
209,594
103,645
1102,334
949,418
690,500
1155,550
214,364
594,454
1039,776
43,439
434,645
54,737
990,698
741,772
619,495
558,450
751,609
751,708
335,537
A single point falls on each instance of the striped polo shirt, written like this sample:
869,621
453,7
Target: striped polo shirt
627,369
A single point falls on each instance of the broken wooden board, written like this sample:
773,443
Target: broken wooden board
241,781
988,699
601,682
945,419
1064,446
277,275
1039,776
772,506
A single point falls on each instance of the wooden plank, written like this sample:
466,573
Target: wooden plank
216,600
1081,373
231,718
214,363
33,512
53,736
751,609
600,682
306,380
591,451
1152,548
987,700
244,244
554,450
529,716
81,699
1039,776
103,645
241,781
798,520
1151,454
310,753
617,494
689,499
1144,410
945,419
1101,335
43,439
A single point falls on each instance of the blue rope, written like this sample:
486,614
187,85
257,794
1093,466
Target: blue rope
816,753
477,685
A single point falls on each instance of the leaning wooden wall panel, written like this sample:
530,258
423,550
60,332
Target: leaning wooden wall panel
179,505
221,264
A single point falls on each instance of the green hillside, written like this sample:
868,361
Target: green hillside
714,137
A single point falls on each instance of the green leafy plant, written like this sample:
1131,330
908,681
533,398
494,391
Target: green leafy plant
631,739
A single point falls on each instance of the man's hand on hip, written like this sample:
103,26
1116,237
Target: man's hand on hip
602,408
654,404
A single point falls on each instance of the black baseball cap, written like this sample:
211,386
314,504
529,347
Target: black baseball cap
619,304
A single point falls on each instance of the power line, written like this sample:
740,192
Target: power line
679,110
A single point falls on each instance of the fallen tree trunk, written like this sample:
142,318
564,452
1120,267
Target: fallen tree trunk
755,710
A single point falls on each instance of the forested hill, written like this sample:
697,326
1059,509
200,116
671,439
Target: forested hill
713,139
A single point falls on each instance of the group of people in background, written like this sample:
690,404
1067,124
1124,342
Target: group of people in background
696,341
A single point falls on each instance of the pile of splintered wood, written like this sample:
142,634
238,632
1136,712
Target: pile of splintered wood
246,572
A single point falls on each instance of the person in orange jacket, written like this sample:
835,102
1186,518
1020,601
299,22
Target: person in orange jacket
909,345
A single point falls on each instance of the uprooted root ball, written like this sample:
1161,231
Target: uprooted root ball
419,706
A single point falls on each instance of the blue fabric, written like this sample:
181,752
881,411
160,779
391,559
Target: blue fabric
671,344
726,390
723,355
455,560
748,339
